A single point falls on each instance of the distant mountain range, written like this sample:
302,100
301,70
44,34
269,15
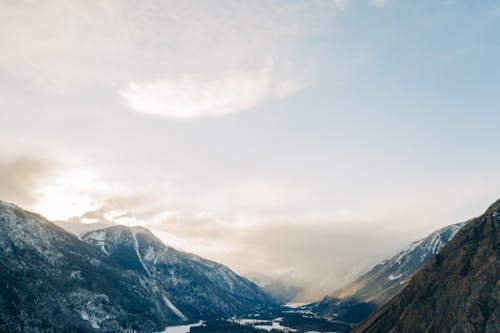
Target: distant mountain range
124,279
359,299
284,288
118,279
458,290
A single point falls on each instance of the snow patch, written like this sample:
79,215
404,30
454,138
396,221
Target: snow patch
294,305
275,325
98,236
267,325
85,316
174,309
182,328
394,277
136,248
150,254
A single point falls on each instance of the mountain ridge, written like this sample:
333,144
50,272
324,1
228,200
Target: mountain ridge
50,280
219,290
356,301
458,290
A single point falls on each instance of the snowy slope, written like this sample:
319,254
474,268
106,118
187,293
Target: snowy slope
456,291
50,280
385,280
195,288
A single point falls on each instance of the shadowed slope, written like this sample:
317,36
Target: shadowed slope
457,291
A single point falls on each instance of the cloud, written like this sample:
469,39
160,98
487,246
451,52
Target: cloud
340,4
20,177
121,209
378,3
319,249
322,255
271,247
57,190
183,59
191,96
68,47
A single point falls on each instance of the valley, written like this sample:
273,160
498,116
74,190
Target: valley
249,166
125,279
284,319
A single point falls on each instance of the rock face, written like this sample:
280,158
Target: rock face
193,287
50,281
457,291
359,299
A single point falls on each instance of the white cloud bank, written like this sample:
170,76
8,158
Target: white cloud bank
190,96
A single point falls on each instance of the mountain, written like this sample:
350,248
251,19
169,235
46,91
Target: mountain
199,288
386,279
457,291
52,281
359,299
284,288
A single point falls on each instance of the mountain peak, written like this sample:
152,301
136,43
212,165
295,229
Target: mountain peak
218,290
123,230
359,299
494,208
117,279
456,291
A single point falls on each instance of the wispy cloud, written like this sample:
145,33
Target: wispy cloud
378,3
191,95
340,4
19,178
196,56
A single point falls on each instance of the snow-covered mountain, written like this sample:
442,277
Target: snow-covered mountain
386,279
456,291
52,281
359,298
193,287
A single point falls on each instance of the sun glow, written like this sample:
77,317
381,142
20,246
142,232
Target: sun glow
68,194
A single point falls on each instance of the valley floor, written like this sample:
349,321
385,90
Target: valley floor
297,320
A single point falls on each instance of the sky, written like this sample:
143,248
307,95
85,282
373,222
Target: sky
317,137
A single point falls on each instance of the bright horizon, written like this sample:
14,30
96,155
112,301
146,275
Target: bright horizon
271,136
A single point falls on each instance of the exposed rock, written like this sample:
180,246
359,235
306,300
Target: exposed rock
51,281
355,302
457,291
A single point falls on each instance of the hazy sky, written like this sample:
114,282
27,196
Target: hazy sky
316,136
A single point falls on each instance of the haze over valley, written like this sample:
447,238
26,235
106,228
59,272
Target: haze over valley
248,166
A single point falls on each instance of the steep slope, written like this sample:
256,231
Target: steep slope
386,279
193,287
457,291
51,281
359,299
